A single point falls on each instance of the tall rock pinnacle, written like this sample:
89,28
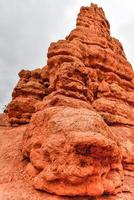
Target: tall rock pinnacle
83,104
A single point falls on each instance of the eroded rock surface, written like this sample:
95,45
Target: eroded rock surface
16,173
73,152
31,88
79,141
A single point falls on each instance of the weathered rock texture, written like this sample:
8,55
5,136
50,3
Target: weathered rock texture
80,138
31,88
15,182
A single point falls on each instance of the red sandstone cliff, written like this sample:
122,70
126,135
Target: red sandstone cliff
79,141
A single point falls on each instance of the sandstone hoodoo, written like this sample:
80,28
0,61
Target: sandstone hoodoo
80,110
31,88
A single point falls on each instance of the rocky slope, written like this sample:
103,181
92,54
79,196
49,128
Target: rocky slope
79,141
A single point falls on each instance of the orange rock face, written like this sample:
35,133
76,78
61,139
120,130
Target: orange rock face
73,151
31,88
79,141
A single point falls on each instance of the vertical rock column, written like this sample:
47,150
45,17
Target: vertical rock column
70,148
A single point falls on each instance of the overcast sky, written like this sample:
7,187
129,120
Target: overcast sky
27,27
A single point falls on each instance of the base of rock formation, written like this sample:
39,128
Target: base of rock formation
16,184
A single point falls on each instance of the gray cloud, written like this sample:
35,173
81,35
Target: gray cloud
28,27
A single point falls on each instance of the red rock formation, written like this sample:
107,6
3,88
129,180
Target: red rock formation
31,88
16,184
73,152
79,141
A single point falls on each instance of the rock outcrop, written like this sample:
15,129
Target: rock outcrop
79,141
31,88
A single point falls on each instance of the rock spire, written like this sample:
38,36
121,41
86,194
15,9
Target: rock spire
79,139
